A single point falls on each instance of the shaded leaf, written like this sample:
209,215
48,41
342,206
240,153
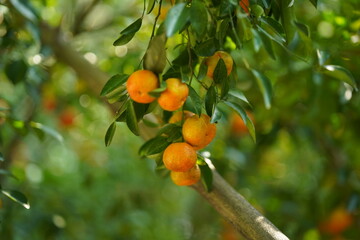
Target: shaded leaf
193,102
206,177
217,115
242,113
177,17
265,87
206,48
1,157
202,71
199,18
17,197
271,30
7,173
224,88
154,146
16,71
132,28
266,43
131,119
110,134
155,56
168,129
123,39
340,73
314,2
220,71
25,10
210,101
322,56
113,83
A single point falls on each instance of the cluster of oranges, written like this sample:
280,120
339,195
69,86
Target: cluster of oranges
142,82
197,130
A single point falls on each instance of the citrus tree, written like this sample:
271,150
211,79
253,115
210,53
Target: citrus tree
208,65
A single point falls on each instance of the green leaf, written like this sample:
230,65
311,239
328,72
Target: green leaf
217,115
224,25
132,28
177,17
17,197
266,43
236,93
123,39
157,92
110,134
265,87
340,73
224,88
242,113
47,130
275,25
322,56
131,119
24,9
206,177
113,83
1,157
198,18
271,31
206,48
155,56
220,71
210,100
16,71
314,2
150,6
202,71
7,173
193,102
154,146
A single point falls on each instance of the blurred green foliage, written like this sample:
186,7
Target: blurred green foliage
305,164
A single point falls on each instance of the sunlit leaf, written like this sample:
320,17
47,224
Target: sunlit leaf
131,119
110,134
17,197
113,83
47,130
150,6
210,100
322,56
206,177
177,17
242,113
265,87
340,73
236,93
193,102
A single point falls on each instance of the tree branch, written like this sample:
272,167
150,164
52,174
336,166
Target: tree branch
229,203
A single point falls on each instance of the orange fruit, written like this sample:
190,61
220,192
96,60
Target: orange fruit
212,61
187,178
198,131
140,83
174,96
338,221
244,4
177,116
179,157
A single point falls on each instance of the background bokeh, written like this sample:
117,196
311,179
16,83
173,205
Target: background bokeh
303,173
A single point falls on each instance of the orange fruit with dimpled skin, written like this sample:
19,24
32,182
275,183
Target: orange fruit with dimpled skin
174,96
212,61
187,178
179,157
198,131
177,116
140,83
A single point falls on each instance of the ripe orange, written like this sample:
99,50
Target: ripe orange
338,221
244,4
198,131
212,61
187,178
140,83
177,116
174,96
179,157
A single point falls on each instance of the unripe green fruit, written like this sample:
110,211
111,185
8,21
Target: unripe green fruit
257,10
